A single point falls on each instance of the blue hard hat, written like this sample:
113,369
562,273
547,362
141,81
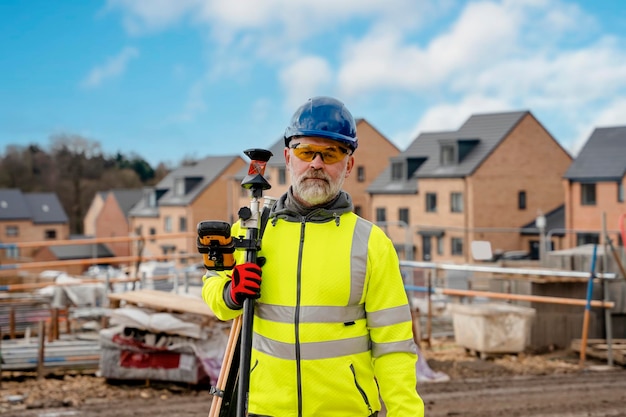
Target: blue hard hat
323,117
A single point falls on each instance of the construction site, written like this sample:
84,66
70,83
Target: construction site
494,339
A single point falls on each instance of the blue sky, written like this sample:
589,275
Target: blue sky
173,79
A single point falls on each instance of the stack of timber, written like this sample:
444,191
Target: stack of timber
27,355
20,312
599,349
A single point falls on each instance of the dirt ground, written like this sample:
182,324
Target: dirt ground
510,385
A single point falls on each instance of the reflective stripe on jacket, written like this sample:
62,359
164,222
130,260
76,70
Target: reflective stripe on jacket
332,328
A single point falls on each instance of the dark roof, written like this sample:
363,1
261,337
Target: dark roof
13,205
482,133
197,178
383,184
489,129
45,208
40,208
126,199
555,220
602,158
84,251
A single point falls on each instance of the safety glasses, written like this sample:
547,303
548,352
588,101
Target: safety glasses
330,154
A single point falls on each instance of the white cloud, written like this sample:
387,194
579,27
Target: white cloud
297,18
379,62
114,67
609,115
613,114
141,16
490,55
306,77
450,116
484,33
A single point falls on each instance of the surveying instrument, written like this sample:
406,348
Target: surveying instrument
217,247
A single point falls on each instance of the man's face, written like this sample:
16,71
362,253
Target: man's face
317,182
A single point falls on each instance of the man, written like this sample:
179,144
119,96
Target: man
332,329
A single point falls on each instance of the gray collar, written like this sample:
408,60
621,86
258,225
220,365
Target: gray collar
289,209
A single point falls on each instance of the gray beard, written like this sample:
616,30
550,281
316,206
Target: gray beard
314,193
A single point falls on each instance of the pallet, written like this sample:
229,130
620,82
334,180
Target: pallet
599,349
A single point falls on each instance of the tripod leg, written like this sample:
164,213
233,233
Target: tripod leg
226,381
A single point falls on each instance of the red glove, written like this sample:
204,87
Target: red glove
245,283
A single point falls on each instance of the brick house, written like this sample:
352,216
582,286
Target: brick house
373,148
29,217
186,196
484,181
89,221
108,217
594,184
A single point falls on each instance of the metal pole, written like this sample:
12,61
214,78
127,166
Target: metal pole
175,281
256,183
429,324
605,286
41,351
583,345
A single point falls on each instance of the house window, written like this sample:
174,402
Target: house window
588,194
167,224
620,192
439,245
521,200
179,186
587,238
403,215
358,210
397,168
12,252
381,214
152,233
456,202
282,176
360,174
50,234
457,246
12,231
150,197
182,224
447,155
431,202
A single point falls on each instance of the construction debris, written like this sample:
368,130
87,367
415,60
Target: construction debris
599,349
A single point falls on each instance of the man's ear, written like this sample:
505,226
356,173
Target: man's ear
287,155
350,165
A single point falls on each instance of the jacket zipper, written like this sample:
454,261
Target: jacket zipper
358,387
297,317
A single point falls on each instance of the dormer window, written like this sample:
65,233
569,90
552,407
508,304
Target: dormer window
179,186
149,196
397,171
448,154
452,152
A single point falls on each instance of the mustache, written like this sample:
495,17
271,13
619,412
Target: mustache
318,175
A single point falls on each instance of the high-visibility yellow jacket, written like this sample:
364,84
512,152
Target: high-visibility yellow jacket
332,329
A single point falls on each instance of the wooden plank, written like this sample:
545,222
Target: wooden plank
163,301
598,349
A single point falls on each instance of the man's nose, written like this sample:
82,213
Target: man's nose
318,161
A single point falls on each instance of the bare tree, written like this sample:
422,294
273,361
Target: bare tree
73,154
